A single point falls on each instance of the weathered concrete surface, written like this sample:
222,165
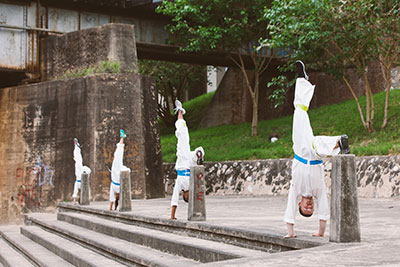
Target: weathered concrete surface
197,194
85,48
345,220
125,200
85,189
231,102
379,220
377,176
39,122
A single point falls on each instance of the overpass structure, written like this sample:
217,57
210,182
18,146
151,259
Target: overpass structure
23,23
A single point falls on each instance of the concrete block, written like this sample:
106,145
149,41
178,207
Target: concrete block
197,194
125,191
345,220
85,189
88,48
93,109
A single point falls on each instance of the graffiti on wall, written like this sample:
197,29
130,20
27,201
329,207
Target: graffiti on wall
30,180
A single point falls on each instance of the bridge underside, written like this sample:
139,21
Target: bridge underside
172,53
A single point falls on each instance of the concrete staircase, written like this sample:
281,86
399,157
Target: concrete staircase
87,236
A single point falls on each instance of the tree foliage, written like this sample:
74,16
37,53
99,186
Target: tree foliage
337,35
173,81
233,27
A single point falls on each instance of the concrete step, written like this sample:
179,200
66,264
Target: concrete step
124,251
35,252
264,241
69,251
190,247
9,256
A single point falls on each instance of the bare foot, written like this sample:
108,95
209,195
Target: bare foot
173,218
318,235
290,236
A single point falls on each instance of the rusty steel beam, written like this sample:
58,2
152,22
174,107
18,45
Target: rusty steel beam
5,26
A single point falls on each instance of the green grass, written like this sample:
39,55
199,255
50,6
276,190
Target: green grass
101,67
195,111
234,142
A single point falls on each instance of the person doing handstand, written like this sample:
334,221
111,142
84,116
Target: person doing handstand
307,180
79,169
185,159
116,168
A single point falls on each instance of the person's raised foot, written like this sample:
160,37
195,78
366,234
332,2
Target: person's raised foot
301,70
178,106
344,144
122,133
76,143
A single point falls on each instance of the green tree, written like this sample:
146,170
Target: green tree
386,23
173,81
233,27
334,36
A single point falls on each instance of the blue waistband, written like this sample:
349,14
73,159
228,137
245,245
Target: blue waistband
78,181
304,161
114,182
183,172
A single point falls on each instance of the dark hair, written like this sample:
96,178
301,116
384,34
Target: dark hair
305,215
183,196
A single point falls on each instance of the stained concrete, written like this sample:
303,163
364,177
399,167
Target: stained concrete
125,188
377,176
40,121
197,194
86,48
379,220
345,219
85,189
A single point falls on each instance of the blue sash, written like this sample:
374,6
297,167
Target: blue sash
78,181
304,161
114,182
183,172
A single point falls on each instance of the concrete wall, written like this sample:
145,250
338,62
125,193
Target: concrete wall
378,176
85,48
38,123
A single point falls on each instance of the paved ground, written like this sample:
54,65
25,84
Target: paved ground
380,229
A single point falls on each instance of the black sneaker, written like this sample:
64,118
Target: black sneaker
344,144
199,155
301,70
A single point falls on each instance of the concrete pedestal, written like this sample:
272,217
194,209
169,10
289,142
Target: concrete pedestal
345,220
197,193
125,192
85,189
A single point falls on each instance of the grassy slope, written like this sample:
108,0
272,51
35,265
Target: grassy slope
233,142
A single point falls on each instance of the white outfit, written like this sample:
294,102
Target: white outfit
307,168
185,159
116,168
79,170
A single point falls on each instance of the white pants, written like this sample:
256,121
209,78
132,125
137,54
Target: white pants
181,183
114,189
